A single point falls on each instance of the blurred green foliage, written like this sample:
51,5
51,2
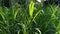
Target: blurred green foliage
32,19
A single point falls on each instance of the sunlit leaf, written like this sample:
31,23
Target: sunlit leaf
31,8
16,14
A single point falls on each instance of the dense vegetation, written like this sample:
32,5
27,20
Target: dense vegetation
29,18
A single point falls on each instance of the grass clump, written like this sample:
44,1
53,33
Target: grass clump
34,19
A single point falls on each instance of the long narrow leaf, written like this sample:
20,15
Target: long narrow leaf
1,13
31,8
16,14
